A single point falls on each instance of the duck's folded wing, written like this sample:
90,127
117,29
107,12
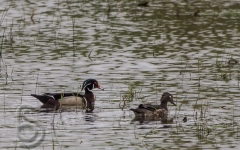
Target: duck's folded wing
145,108
149,107
138,111
58,96
43,98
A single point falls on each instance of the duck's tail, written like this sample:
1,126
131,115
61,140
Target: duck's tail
42,98
136,111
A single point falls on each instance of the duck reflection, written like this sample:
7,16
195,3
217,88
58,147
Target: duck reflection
147,120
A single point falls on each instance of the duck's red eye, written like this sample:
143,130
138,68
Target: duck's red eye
95,82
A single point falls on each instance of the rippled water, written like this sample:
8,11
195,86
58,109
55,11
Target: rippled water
148,47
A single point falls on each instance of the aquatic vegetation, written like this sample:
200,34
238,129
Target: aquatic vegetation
194,58
130,93
133,92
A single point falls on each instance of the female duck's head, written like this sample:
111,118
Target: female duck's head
167,97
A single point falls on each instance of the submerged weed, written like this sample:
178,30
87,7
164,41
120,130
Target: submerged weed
226,76
130,93
133,92
232,61
225,68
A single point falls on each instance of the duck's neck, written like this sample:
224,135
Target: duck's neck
164,105
89,96
87,90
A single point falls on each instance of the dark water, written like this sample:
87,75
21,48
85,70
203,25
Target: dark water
193,58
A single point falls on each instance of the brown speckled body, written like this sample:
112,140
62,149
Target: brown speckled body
146,110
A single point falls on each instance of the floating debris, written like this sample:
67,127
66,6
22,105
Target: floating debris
223,107
224,76
143,4
196,13
232,61
89,55
185,119
33,11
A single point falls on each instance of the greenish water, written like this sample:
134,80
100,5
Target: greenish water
149,47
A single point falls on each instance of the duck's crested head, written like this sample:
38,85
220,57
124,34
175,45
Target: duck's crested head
167,97
90,84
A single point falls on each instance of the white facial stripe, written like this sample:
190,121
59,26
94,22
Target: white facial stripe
86,85
83,83
93,86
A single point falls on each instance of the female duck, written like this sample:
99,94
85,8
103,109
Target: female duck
56,100
154,110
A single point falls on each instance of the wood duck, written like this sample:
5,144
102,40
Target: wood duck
154,110
56,100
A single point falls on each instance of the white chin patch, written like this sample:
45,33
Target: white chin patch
89,90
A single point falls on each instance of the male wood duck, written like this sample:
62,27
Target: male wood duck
154,110
55,100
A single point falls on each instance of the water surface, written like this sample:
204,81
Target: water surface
148,47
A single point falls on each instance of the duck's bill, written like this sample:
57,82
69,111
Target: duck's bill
99,87
173,103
